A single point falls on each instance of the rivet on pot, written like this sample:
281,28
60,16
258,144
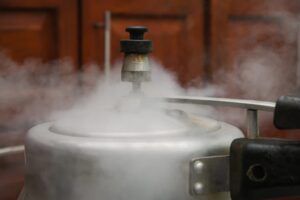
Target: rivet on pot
198,166
198,188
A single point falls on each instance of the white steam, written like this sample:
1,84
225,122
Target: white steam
34,92
36,96
32,88
112,108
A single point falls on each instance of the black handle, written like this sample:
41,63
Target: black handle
136,32
136,44
287,113
264,168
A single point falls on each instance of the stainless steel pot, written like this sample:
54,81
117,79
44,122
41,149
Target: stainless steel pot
64,164
67,162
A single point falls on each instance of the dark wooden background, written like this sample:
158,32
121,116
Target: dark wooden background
195,39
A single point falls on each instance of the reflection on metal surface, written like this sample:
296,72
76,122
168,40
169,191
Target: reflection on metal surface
22,195
226,102
11,150
138,167
252,124
136,67
107,44
252,107
209,175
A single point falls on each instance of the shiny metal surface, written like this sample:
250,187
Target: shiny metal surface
61,166
238,103
211,173
252,107
252,124
107,43
11,150
136,68
181,123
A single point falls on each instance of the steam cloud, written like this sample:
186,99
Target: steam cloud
34,92
44,95
112,108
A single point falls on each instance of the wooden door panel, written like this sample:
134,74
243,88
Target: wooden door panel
240,29
262,7
176,28
43,30
261,34
58,22
247,35
240,26
26,34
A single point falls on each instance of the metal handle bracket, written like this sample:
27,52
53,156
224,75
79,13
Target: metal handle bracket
209,175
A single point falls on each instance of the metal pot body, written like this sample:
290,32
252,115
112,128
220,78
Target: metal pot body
64,167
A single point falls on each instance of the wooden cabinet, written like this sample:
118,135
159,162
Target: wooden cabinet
255,44
40,29
257,33
241,27
45,30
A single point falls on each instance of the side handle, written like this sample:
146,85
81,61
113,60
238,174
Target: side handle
287,113
264,168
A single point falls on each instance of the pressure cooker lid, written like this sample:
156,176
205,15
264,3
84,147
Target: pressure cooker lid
132,124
